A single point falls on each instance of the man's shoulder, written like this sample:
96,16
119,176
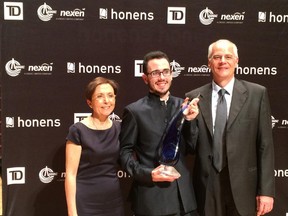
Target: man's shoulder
138,104
175,98
145,103
250,85
195,92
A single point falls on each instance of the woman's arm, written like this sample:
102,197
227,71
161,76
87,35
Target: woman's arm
73,153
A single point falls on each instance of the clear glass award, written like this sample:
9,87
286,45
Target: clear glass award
169,144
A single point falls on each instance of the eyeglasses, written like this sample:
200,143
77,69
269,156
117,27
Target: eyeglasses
220,57
157,73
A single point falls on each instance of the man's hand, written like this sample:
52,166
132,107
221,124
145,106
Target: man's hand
264,204
192,110
159,176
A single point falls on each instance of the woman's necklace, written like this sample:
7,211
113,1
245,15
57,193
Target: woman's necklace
97,124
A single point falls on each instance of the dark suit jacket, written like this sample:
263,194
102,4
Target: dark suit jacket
250,151
143,124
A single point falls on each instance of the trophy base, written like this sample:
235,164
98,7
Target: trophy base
170,171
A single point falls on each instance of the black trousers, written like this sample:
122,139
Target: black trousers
219,199
180,209
193,213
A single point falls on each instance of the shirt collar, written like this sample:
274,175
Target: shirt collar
228,87
157,97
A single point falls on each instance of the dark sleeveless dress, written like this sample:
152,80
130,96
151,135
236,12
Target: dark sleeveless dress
98,190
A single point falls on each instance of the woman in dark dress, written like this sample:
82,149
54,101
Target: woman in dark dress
92,149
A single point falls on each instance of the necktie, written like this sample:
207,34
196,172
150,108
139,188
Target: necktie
219,148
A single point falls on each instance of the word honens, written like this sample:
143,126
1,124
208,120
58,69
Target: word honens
38,122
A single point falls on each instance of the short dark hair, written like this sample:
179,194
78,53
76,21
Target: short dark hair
90,88
153,55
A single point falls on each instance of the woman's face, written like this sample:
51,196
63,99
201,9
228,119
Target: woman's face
103,101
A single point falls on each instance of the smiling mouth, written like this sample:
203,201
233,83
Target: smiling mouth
161,83
223,68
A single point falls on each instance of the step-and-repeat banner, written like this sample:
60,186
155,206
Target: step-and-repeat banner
50,50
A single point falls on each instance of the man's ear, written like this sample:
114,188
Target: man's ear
145,78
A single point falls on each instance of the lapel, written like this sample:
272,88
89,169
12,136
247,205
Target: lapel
239,97
205,106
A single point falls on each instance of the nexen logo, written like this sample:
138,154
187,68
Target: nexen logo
202,69
75,13
236,16
28,123
43,67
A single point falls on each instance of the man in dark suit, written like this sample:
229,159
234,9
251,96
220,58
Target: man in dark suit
143,125
244,184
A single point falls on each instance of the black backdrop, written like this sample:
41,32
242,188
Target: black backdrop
50,50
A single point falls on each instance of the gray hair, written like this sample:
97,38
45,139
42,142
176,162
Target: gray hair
234,47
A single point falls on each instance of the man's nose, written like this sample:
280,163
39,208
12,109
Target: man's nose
223,59
162,75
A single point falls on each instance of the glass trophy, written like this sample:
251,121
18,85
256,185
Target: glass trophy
169,144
